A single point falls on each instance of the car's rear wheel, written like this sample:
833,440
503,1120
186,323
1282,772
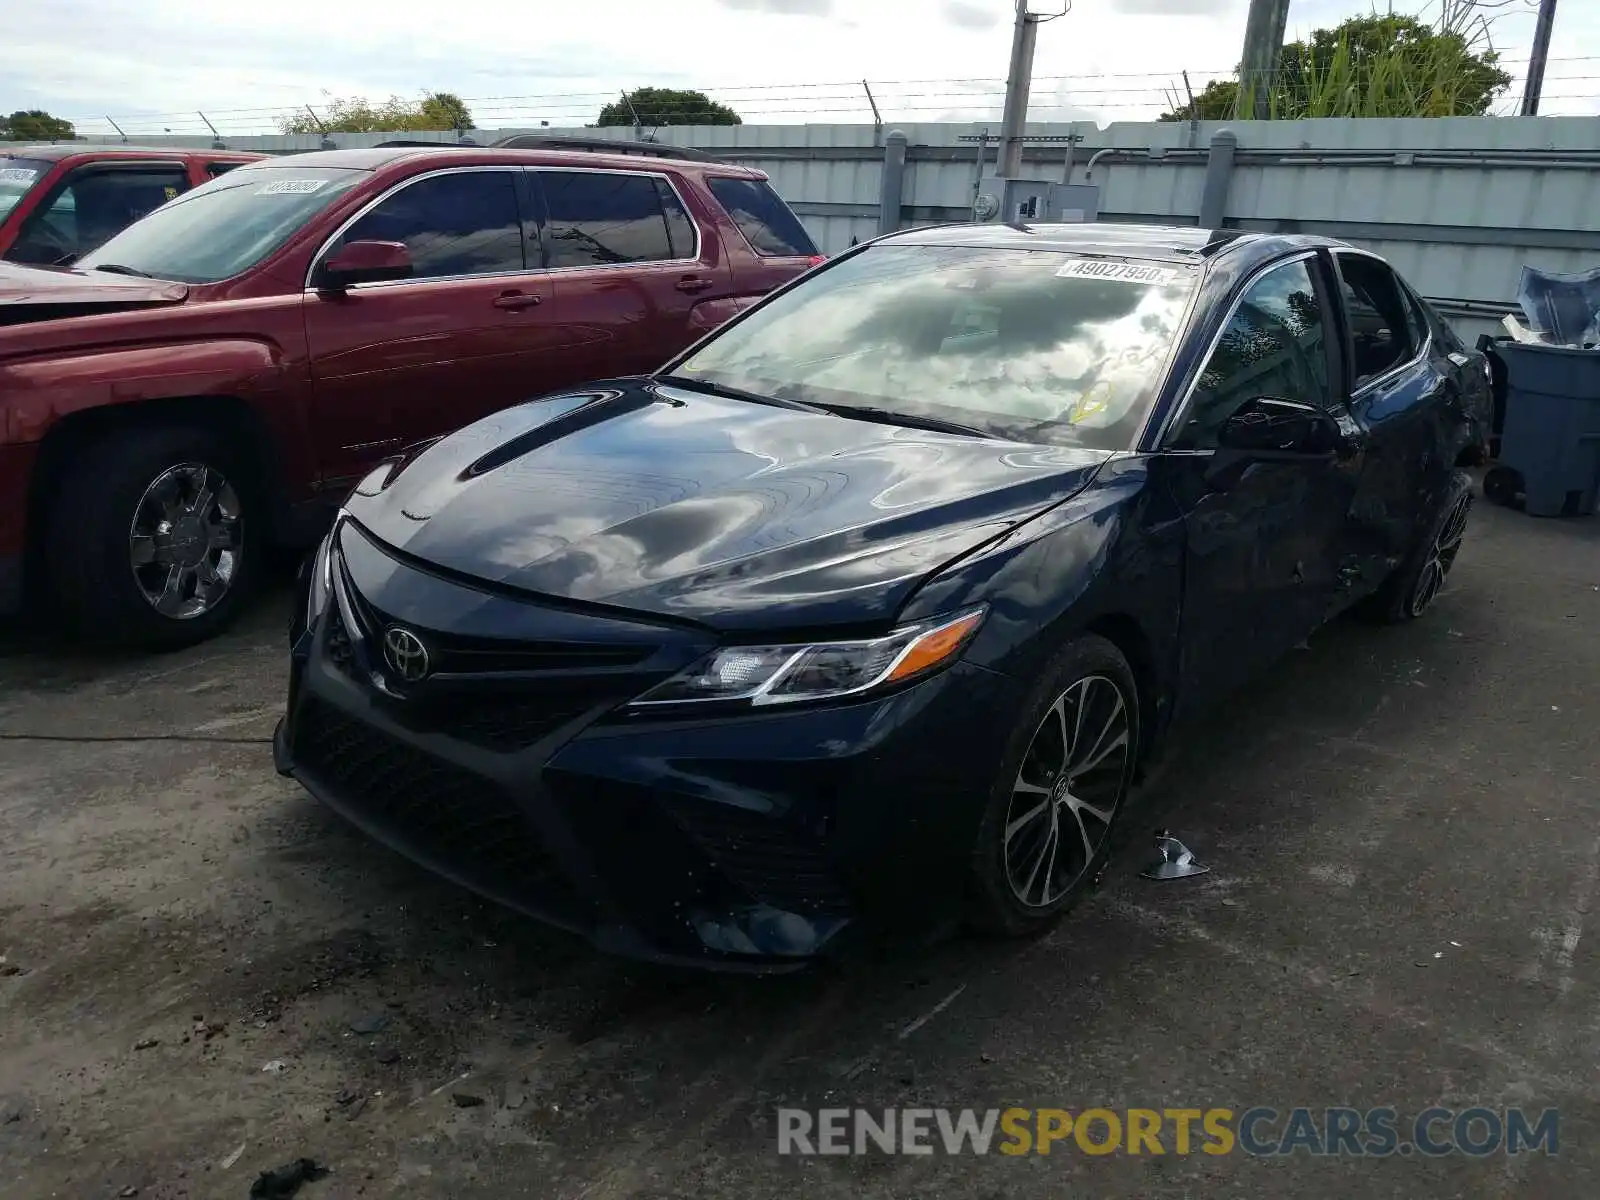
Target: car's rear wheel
153,538
1059,789
1416,583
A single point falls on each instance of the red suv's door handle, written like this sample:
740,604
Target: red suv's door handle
515,300
693,283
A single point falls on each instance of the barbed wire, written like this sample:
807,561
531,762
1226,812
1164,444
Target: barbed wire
1131,95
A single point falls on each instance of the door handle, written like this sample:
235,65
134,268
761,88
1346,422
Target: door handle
517,300
693,283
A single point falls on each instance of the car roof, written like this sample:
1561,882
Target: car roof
1165,243
56,151
377,158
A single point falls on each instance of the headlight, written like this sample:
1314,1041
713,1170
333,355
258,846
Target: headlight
319,582
790,673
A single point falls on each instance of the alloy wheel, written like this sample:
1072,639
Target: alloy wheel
185,541
1441,555
1067,791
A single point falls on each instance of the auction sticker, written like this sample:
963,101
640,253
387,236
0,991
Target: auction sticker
17,175
1118,272
290,187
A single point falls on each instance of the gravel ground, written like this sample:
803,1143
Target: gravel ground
206,976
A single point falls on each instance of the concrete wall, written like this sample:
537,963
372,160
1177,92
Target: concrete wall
1458,204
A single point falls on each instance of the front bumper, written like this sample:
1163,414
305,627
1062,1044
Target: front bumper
747,841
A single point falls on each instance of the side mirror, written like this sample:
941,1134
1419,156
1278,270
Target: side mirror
1272,426
1270,429
363,262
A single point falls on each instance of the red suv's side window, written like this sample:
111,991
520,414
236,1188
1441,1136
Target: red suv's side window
460,223
601,218
765,220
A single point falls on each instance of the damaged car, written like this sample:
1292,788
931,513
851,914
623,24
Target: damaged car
874,603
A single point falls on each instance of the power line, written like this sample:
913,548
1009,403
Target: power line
845,88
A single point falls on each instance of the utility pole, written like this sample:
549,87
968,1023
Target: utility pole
1534,87
1264,30
1023,37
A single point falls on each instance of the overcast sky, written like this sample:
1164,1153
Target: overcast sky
151,65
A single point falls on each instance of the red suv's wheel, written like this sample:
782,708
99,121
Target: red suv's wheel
154,537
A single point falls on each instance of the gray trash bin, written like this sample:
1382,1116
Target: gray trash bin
1551,436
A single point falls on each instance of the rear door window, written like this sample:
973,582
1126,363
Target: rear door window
1383,332
680,227
765,220
605,218
220,168
455,224
91,206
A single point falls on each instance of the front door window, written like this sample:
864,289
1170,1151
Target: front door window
456,224
1276,344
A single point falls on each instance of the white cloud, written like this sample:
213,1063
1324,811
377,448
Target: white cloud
807,8
970,16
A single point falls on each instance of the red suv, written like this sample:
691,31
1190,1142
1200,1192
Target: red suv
60,202
219,374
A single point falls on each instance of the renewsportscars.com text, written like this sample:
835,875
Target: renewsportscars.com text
1260,1131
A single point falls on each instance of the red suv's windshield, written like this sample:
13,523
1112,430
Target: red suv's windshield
17,177
225,226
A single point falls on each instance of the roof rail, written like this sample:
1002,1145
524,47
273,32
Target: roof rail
548,141
419,144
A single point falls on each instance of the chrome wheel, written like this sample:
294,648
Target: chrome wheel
1067,791
185,541
1441,555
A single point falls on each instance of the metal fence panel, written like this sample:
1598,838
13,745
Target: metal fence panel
1458,204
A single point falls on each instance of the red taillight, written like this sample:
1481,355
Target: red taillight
816,260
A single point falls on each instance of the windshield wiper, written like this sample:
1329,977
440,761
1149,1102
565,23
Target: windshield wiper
120,269
885,416
733,393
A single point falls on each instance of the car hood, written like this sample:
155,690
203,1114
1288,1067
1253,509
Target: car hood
721,511
46,293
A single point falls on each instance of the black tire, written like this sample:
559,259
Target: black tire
996,906
1413,586
90,515
1502,485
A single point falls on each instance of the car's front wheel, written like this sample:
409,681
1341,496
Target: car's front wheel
154,536
1060,787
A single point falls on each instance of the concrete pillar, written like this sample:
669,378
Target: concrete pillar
1219,171
892,183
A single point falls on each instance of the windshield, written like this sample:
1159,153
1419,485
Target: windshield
1031,345
17,175
225,226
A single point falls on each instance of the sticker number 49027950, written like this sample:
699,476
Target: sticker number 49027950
1118,272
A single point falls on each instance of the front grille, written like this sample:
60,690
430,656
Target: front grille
510,723
434,811
766,857
461,654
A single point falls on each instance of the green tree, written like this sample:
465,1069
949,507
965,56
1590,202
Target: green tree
35,125
355,114
1374,66
446,110
667,106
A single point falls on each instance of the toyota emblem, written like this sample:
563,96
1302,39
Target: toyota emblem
405,654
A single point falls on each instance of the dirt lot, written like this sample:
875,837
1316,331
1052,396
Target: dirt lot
207,976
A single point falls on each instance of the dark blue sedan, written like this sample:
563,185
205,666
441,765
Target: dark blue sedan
875,602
